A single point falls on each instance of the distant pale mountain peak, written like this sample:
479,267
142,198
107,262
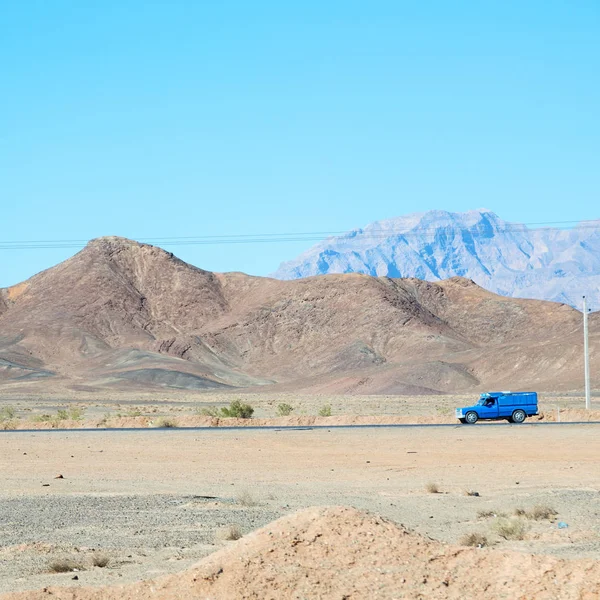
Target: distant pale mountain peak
507,258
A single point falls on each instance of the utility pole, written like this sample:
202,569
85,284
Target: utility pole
586,357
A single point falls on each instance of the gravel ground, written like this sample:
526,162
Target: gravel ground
157,533
139,498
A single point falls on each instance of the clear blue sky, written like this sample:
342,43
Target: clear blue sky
182,118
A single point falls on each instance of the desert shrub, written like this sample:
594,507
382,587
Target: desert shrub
8,413
541,512
519,512
75,413
134,412
284,410
325,411
432,488
7,425
476,540
229,533
43,418
64,565
510,529
488,514
237,410
208,412
100,560
245,498
165,423
472,493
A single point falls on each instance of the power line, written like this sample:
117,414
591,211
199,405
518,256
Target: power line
311,236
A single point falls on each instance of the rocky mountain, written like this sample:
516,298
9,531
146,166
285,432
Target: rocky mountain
506,258
120,314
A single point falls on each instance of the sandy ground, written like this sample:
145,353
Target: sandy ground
156,501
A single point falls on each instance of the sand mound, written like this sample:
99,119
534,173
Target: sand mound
336,552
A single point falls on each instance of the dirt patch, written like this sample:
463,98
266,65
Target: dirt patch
338,552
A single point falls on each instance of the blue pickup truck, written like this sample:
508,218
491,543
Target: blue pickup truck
515,407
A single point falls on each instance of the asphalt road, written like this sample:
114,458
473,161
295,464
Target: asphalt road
297,428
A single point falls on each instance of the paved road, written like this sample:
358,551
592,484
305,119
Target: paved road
296,428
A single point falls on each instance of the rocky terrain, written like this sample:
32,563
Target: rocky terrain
125,315
507,258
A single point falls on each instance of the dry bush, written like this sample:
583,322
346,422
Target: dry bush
519,512
477,540
245,498
432,488
510,529
229,533
100,560
165,423
472,493
541,512
486,514
64,565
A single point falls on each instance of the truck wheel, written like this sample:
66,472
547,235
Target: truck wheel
518,416
471,417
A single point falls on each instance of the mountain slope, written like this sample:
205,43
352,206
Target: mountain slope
507,258
131,315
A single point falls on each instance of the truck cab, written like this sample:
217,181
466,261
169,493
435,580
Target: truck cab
515,407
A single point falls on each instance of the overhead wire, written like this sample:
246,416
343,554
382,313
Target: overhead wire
477,229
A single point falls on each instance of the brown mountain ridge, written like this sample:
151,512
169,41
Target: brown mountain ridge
129,315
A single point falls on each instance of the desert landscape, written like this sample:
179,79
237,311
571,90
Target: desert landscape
300,300
171,433
409,512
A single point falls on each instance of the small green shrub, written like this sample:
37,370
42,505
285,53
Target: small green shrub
325,411
284,410
8,413
208,412
237,410
75,413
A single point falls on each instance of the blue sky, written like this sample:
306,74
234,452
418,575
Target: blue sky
185,118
